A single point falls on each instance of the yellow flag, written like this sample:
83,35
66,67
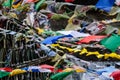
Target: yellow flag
56,58
55,45
39,31
71,19
113,55
118,56
17,5
17,71
100,56
68,69
83,51
92,53
106,56
70,50
80,70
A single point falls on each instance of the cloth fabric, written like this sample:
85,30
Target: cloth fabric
60,76
106,69
13,15
90,38
95,28
103,77
16,2
118,16
17,71
7,3
116,75
31,18
45,66
90,76
74,33
69,77
78,34
112,55
64,32
92,53
105,4
53,39
30,1
38,4
69,0
111,29
92,27
68,69
6,69
47,50
109,41
35,69
78,70
117,2
56,58
3,74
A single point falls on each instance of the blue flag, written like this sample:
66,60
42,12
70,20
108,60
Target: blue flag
105,5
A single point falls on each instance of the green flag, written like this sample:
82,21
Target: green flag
3,74
37,6
60,76
112,42
59,16
7,3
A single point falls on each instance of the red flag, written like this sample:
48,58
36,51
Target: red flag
6,69
69,0
116,75
91,38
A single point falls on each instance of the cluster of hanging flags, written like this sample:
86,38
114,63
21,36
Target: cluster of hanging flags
18,3
101,4
6,71
106,41
103,40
